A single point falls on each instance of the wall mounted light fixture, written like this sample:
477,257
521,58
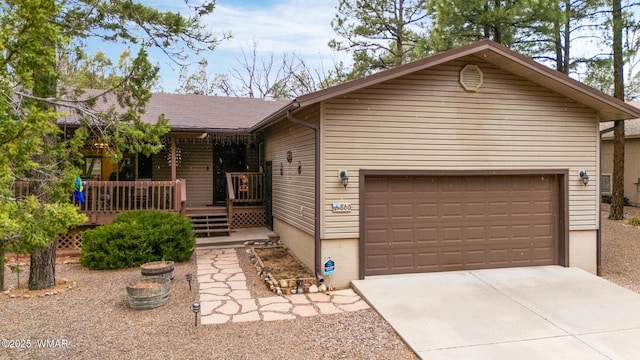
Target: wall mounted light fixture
299,167
289,156
344,178
281,169
584,177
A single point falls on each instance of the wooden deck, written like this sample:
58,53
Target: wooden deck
105,199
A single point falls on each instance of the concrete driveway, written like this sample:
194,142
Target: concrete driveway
546,312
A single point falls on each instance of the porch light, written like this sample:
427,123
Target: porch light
344,178
289,156
299,167
281,169
100,145
195,307
585,178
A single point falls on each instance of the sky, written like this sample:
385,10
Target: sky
302,27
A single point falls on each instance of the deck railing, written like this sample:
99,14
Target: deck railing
245,189
104,199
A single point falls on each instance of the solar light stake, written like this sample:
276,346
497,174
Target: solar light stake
298,285
195,307
189,278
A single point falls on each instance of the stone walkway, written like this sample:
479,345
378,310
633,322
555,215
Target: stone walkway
224,296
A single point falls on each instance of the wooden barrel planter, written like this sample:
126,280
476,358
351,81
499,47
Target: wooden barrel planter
158,268
148,292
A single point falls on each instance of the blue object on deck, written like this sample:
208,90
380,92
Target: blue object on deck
78,193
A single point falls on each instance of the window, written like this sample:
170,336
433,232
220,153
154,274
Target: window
605,183
92,168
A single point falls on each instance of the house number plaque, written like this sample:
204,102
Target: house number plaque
341,207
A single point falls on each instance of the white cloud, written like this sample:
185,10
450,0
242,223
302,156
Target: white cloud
300,26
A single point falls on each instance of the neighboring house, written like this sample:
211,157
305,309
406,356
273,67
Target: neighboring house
468,159
631,158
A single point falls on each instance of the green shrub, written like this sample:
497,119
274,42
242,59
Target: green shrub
138,237
607,200
634,221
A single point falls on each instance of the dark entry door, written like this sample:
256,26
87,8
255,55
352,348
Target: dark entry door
268,174
226,158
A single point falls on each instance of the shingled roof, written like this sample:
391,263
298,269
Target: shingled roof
631,127
197,112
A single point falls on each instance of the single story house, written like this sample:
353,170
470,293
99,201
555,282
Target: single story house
631,158
473,158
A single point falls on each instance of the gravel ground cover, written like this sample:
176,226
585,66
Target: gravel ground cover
621,249
92,320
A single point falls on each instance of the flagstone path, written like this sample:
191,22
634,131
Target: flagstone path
224,296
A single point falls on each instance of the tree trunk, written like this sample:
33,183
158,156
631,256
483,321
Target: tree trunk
617,186
567,38
42,270
2,262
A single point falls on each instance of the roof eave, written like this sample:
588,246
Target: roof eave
608,107
275,116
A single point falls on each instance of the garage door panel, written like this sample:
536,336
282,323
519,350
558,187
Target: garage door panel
377,264
426,211
427,260
377,211
475,234
451,209
377,237
498,257
402,262
450,235
543,230
521,208
427,187
454,223
475,257
542,208
401,236
451,259
402,211
398,186
427,236
477,209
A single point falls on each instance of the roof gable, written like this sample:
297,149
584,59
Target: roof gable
608,107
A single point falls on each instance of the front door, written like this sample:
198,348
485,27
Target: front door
227,158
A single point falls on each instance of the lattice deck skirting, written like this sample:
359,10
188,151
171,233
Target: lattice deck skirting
243,217
71,240
248,217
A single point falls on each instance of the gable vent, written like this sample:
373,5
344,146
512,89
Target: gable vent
471,77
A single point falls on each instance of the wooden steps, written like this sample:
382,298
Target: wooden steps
239,238
210,221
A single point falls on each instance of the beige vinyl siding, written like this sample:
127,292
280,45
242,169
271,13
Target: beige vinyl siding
196,167
293,193
427,121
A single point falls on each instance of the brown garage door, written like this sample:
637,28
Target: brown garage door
443,223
